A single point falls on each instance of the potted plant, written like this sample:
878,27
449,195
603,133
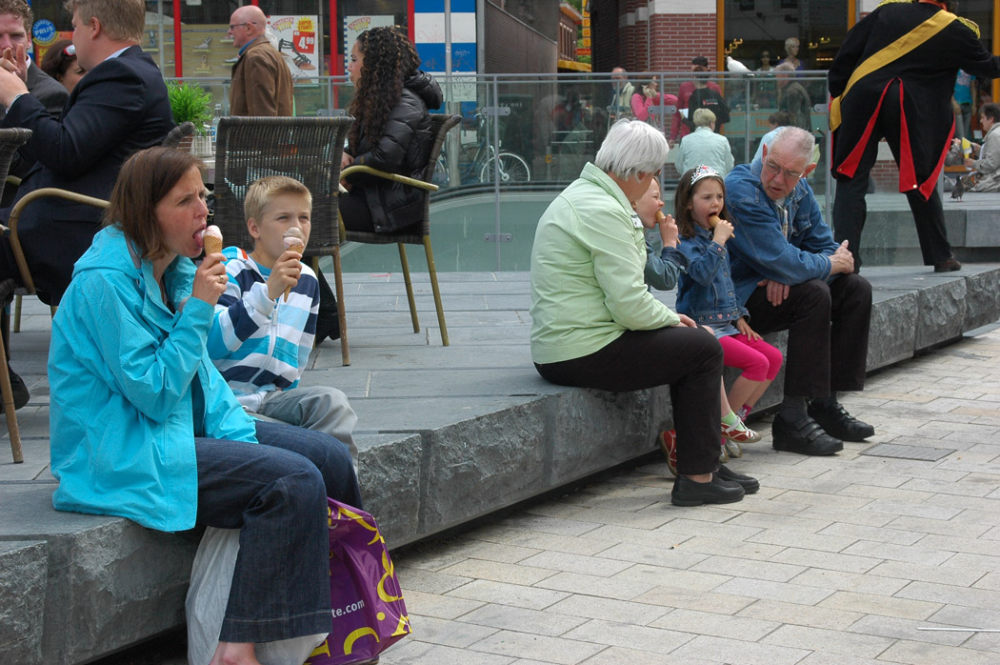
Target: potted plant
188,102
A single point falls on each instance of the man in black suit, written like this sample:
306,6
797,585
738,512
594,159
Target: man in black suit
15,25
119,107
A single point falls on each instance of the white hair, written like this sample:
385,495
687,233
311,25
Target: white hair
796,139
631,147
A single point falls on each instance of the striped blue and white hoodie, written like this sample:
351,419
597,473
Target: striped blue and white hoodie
259,344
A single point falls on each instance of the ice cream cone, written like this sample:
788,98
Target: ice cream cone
212,240
713,221
293,241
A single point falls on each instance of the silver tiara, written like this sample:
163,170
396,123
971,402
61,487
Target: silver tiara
704,171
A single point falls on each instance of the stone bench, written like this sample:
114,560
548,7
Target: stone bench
463,431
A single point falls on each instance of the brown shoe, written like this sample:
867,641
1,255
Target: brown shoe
948,265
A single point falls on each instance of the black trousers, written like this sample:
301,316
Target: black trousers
689,359
827,328
850,209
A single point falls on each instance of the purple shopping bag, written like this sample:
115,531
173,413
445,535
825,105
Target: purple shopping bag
369,614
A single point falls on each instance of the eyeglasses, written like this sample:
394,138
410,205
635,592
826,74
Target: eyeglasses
233,26
774,170
70,51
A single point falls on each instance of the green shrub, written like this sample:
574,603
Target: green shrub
189,102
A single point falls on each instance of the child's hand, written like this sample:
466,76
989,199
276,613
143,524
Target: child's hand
746,330
668,231
284,273
722,231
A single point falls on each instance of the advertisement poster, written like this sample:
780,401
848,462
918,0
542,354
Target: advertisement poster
296,41
355,25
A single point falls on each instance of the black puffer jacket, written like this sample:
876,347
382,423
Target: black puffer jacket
402,148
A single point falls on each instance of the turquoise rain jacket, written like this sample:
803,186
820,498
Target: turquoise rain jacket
121,371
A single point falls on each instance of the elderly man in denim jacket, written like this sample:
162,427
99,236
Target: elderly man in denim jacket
793,276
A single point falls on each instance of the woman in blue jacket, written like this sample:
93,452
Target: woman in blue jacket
144,427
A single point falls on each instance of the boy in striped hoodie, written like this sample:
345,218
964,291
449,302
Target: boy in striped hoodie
262,334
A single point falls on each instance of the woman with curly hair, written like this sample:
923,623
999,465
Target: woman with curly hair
391,132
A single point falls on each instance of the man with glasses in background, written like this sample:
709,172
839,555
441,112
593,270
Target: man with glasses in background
793,276
262,83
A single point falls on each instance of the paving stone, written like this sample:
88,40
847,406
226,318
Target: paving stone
548,649
721,650
881,605
523,620
866,582
902,628
784,591
459,634
590,585
438,606
922,653
619,655
941,593
703,601
947,574
830,641
631,636
609,609
737,567
421,653
515,595
498,572
800,615
705,623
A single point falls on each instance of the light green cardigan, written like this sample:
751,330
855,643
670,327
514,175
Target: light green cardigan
587,286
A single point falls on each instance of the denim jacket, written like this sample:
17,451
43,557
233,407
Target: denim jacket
706,292
790,244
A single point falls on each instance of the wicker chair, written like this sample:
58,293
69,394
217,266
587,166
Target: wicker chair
442,124
307,149
10,141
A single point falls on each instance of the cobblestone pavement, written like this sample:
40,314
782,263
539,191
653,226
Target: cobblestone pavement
836,561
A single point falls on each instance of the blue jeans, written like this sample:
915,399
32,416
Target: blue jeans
275,493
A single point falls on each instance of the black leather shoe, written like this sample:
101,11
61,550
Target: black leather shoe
18,390
948,265
687,492
749,485
805,437
839,424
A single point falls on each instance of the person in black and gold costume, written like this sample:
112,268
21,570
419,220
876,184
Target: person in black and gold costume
901,90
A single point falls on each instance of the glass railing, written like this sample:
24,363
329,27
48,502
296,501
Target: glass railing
523,138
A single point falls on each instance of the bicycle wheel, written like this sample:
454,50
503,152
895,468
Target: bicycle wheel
512,169
440,176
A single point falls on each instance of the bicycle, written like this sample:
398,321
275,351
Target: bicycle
484,164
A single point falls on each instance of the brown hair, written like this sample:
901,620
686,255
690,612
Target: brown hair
390,59
144,180
56,62
991,111
18,8
682,199
122,20
262,191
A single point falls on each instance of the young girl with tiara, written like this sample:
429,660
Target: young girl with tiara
663,271
705,292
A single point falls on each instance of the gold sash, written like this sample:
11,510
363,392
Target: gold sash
893,51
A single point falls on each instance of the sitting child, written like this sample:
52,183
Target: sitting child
265,322
663,272
705,292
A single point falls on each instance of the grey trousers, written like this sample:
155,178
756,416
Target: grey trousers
318,408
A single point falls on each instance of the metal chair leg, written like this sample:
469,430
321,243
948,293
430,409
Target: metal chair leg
8,402
432,271
338,278
409,287
17,313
